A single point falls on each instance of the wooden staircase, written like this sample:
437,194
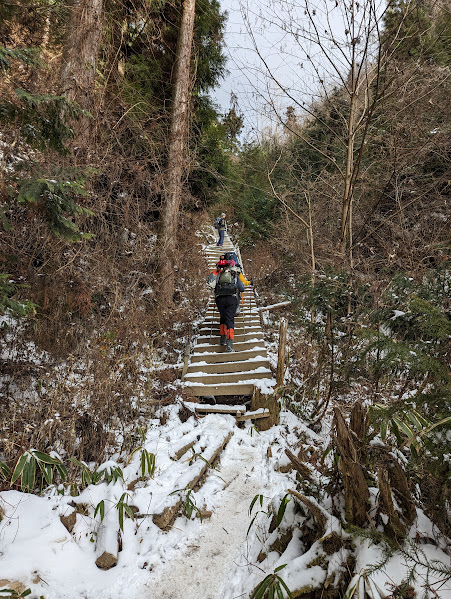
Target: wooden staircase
212,371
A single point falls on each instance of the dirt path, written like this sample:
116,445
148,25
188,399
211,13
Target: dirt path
203,571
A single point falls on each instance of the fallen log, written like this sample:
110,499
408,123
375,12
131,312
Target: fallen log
299,466
167,514
274,306
319,515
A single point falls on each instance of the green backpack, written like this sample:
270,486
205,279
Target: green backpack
226,284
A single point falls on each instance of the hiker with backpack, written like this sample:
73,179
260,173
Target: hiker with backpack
226,283
221,227
232,256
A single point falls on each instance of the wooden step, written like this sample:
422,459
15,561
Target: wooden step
245,327
246,307
236,356
215,323
214,339
197,390
238,319
207,349
237,410
261,413
229,377
214,331
221,367
205,330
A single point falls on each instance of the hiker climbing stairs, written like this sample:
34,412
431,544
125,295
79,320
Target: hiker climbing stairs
212,371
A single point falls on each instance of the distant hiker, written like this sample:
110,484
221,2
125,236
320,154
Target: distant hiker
226,285
221,226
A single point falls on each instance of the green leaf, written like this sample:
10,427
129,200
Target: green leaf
31,474
435,425
253,502
261,589
129,511
46,472
252,521
19,466
405,428
143,463
62,471
120,508
414,420
283,506
384,427
176,491
421,418
44,457
279,568
100,508
282,582
5,472
271,592
395,430
151,461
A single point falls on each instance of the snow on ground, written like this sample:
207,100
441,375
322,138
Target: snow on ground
37,550
207,560
215,558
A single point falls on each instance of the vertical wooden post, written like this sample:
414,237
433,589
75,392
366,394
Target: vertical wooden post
281,357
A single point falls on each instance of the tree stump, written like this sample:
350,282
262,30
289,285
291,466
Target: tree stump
357,495
269,402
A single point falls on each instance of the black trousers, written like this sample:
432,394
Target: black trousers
227,305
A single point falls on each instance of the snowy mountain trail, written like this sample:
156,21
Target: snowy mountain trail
203,570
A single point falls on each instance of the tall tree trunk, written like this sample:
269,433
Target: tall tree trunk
179,126
346,222
81,46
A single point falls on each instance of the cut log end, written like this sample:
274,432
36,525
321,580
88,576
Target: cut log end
106,561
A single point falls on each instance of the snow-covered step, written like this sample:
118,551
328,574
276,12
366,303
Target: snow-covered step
205,331
246,306
239,319
237,410
206,349
254,415
249,332
247,326
199,390
220,367
213,339
236,356
228,377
